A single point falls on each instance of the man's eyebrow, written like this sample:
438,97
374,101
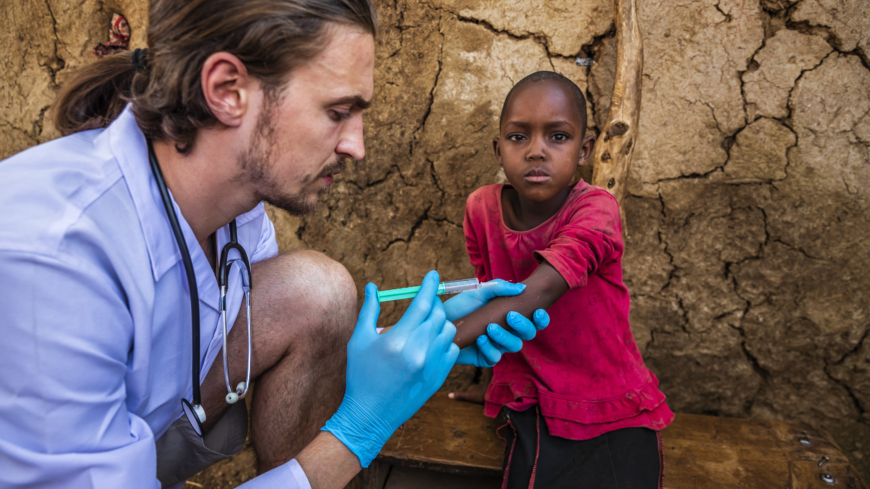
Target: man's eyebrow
354,100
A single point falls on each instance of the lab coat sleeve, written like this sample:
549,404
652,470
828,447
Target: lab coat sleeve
67,335
287,476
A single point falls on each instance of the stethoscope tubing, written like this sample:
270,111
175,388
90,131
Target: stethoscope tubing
241,390
188,268
223,282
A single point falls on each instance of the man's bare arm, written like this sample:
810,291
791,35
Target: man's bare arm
543,289
327,463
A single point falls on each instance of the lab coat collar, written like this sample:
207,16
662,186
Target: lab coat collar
128,145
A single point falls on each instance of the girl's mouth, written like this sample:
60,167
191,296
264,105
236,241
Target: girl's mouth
536,175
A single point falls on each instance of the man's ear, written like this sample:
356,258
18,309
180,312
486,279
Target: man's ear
586,150
496,149
227,87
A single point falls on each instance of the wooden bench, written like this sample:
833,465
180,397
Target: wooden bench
700,451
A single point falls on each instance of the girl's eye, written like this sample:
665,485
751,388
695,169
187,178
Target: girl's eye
515,137
560,137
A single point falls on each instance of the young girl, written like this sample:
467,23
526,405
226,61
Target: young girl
582,408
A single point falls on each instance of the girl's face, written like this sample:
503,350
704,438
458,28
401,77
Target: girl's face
542,141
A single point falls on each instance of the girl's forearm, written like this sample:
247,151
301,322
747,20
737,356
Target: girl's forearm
543,289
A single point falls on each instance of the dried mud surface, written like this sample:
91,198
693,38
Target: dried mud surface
748,247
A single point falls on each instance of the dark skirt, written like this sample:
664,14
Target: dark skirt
629,458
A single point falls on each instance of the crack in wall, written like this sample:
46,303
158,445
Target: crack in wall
858,406
57,59
540,39
854,350
789,119
425,118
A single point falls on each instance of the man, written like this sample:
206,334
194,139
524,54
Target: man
242,102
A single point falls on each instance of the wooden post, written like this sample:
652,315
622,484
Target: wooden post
615,144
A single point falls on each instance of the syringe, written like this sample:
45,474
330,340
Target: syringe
453,287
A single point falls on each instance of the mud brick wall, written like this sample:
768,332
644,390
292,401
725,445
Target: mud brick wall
748,247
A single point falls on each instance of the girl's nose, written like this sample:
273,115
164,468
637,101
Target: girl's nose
537,149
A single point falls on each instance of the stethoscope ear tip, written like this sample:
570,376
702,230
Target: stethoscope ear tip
234,397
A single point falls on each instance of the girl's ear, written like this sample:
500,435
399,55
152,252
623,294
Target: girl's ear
586,150
496,149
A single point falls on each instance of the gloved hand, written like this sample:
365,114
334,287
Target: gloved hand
390,376
489,347
469,301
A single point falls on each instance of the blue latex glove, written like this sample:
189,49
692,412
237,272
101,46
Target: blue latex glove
489,347
390,376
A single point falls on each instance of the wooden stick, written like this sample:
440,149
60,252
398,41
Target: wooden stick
615,145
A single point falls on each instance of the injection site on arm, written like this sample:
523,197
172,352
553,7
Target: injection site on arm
543,288
546,286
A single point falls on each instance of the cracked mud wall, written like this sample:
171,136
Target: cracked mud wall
748,248
42,42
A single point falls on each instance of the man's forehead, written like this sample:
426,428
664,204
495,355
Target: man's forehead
344,70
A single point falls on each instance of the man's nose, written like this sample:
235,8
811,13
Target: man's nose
351,143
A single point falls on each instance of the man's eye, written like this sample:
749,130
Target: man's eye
338,115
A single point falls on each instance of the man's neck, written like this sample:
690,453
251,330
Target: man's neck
205,184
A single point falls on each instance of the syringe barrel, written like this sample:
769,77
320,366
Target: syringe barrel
458,286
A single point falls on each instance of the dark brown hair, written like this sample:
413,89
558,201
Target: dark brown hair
271,37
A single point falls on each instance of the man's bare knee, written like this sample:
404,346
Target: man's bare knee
312,292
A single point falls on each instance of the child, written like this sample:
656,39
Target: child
582,408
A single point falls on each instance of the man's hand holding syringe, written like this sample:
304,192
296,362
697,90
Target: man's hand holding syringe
460,306
391,375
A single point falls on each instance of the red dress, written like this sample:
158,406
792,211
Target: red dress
584,370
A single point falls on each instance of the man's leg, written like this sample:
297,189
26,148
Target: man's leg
304,310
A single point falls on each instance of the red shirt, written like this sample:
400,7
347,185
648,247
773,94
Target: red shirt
584,370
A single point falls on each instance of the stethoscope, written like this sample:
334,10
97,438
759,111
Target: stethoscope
194,411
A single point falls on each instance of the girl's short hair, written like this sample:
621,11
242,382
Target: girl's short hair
539,76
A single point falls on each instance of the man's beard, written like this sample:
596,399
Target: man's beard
255,162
